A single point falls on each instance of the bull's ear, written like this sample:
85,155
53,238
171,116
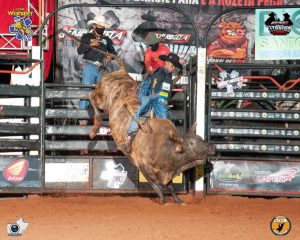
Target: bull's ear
179,148
175,138
192,130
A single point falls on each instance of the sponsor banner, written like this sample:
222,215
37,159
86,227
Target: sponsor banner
230,39
255,176
117,36
270,115
128,29
20,172
198,4
270,95
277,34
176,180
114,173
257,132
66,173
16,24
21,25
129,26
19,28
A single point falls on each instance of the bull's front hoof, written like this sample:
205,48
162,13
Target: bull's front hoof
177,200
164,202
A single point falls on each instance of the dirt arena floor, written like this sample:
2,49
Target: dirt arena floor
142,218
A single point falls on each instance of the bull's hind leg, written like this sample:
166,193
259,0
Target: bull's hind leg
97,117
157,187
174,196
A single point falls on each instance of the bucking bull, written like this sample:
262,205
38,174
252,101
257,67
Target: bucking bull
158,150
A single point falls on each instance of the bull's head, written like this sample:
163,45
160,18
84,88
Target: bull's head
192,145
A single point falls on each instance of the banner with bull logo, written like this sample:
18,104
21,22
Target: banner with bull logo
129,27
277,34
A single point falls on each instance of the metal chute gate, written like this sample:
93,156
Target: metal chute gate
255,128
252,111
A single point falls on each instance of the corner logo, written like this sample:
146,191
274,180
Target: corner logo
16,171
16,229
277,26
21,25
280,225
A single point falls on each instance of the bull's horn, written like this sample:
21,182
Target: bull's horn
174,138
192,130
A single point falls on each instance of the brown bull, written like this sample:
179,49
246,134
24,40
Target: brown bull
158,150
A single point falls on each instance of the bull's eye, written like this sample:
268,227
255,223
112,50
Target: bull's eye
231,33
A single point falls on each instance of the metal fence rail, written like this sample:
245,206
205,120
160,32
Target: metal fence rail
21,164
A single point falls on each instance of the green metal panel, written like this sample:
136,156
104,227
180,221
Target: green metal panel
19,144
19,111
19,128
80,145
19,91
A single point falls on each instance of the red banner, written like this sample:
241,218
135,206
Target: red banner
19,26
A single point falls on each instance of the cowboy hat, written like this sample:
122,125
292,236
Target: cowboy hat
149,16
112,19
172,58
100,20
152,39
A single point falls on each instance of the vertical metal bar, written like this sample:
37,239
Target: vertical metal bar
208,105
91,171
190,93
185,111
42,125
